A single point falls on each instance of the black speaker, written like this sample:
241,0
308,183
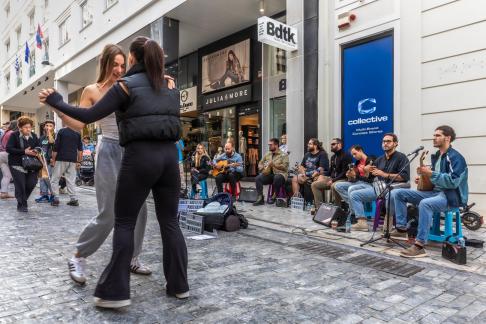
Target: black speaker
327,213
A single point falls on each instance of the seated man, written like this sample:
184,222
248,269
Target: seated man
231,170
385,169
358,176
449,178
273,167
339,165
314,166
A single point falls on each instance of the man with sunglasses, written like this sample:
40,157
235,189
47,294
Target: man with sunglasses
337,172
384,169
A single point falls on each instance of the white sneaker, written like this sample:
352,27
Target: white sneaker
138,268
182,295
111,303
76,270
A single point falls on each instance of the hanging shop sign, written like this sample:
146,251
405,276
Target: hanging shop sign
277,34
188,100
227,98
225,68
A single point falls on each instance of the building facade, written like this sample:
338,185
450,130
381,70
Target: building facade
361,68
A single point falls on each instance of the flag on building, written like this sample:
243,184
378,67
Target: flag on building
39,36
27,53
17,65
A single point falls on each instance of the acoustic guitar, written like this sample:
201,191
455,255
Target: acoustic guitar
424,183
267,170
223,167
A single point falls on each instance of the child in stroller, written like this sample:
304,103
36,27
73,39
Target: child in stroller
86,169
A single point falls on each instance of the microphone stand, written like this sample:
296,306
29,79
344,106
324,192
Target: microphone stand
387,191
185,192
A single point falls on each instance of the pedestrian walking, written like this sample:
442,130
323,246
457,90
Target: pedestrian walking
22,142
47,141
6,175
66,156
108,161
148,120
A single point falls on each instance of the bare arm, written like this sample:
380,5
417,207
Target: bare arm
85,102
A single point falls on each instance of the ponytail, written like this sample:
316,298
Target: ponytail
151,55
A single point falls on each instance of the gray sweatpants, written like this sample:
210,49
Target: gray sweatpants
108,160
68,170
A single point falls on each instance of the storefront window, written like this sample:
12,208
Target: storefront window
220,126
278,109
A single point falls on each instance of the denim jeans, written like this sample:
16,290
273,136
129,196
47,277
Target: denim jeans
428,202
45,183
345,188
357,199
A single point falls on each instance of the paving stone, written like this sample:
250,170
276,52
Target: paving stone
235,278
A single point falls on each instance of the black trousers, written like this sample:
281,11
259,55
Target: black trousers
277,182
196,177
145,166
231,177
24,185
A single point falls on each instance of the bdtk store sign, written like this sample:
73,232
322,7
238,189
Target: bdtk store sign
227,98
274,33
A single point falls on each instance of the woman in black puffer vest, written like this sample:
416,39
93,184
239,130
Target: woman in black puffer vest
147,114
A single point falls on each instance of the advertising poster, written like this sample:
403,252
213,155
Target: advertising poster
367,88
227,67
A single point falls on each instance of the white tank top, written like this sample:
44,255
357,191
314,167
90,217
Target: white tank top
108,125
109,128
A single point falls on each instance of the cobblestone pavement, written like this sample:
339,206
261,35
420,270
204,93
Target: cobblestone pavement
256,275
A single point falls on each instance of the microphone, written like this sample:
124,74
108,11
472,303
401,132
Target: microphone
418,149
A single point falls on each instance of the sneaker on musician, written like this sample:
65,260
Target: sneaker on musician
138,268
99,302
361,225
76,270
415,251
398,234
260,201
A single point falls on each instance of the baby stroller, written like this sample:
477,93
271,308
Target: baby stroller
86,169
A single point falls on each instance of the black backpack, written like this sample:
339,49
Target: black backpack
229,221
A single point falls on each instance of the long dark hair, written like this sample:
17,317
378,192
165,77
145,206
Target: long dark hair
107,60
147,52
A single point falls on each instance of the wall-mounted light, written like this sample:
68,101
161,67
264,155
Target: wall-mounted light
262,7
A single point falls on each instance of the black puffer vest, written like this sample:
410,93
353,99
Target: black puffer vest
150,114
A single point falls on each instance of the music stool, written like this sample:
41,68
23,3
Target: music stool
370,209
436,234
228,189
281,194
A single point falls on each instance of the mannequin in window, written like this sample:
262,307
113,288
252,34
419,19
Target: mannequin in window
242,147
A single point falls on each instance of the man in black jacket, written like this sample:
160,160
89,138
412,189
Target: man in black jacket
337,172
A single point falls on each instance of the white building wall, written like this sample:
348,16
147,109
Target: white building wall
440,72
454,79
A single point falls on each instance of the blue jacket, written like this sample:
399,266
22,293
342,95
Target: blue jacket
235,158
452,177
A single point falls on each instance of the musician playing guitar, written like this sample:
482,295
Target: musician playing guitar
229,167
274,168
314,165
448,175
